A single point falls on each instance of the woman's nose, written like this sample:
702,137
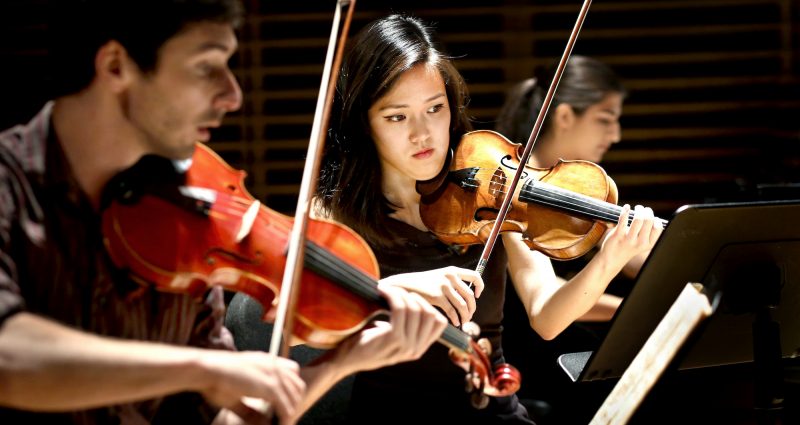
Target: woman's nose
615,132
419,131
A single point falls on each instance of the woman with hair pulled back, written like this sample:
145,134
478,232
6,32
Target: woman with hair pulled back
582,124
583,120
400,106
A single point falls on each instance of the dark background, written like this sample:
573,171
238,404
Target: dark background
713,112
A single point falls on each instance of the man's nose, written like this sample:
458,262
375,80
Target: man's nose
231,97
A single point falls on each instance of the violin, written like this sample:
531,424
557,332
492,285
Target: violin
187,231
562,211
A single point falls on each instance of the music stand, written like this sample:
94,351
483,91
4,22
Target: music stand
749,253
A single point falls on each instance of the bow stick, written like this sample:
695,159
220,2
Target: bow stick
501,215
284,321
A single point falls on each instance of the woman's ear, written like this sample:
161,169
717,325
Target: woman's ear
113,67
564,117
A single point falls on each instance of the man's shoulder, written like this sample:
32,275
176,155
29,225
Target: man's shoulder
23,145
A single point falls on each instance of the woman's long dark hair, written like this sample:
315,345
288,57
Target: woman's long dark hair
585,81
350,178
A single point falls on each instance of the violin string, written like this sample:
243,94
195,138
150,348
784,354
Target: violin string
335,269
574,203
331,266
559,197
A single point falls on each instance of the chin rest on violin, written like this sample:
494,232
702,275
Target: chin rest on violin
185,232
562,211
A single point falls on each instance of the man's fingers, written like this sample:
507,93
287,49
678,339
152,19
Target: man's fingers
255,411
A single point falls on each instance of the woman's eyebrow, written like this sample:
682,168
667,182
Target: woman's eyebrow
403,105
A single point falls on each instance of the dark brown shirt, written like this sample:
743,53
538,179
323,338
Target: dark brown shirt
53,263
399,394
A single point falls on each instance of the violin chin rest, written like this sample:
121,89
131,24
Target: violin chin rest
428,187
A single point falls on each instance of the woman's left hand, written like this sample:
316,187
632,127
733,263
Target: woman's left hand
625,241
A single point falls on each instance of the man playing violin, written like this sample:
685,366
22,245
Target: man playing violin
79,341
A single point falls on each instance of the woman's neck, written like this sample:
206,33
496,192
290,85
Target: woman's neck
545,153
401,192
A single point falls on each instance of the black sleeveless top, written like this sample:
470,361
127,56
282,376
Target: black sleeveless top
400,393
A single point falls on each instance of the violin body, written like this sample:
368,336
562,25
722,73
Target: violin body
184,251
205,229
561,211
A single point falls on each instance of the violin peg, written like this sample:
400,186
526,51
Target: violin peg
472,329
485,346
479,400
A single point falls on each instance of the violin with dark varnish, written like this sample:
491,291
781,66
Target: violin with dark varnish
562,211
187,231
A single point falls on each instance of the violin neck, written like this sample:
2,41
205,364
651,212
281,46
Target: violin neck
327,265
542,193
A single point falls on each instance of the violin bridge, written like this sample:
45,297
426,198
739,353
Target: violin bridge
248,219
497,186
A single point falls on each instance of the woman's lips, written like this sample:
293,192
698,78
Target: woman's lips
423,154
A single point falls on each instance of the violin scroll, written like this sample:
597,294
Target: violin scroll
503,380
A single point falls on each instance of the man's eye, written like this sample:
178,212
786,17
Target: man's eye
208,70
204,69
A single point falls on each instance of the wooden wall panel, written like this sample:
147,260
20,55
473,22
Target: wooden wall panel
713,112
714,95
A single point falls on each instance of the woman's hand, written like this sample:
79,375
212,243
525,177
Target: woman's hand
626,242
447,288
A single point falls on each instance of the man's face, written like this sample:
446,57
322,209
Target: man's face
188,93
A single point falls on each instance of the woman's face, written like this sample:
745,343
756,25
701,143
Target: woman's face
411,126
593,132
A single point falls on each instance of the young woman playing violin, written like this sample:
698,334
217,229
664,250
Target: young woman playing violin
583,123
400,109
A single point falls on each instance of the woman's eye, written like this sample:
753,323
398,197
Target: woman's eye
396,118
436,108
606,120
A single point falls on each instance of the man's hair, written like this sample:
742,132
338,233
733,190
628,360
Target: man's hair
78,28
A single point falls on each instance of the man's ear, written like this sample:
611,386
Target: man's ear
113,67
564,116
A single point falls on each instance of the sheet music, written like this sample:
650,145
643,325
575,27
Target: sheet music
688,310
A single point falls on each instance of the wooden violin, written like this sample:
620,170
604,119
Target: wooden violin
187,231
562,211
